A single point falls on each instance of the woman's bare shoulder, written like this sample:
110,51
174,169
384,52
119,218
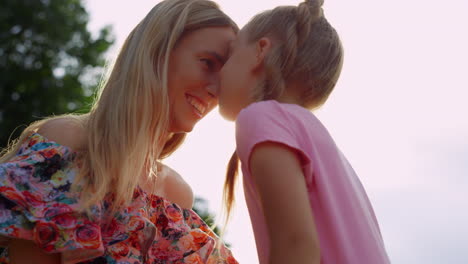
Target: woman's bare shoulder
65,131
176,189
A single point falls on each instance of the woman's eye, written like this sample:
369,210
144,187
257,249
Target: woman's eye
209,63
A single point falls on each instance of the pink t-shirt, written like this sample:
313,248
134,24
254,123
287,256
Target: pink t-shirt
346,224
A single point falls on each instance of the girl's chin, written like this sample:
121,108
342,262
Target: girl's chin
226,114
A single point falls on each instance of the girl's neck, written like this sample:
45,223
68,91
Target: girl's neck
289,98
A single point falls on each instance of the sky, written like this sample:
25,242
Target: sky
398,113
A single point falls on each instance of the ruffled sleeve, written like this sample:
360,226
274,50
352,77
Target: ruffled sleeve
183,237
38,204
214,251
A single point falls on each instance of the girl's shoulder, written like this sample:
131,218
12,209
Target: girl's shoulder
259,107
273,109
272,114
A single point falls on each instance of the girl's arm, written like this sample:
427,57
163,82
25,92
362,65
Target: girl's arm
281,185
26,252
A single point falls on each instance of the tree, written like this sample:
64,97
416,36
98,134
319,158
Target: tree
201,208
49,62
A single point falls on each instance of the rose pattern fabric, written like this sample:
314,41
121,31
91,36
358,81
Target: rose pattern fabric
37,203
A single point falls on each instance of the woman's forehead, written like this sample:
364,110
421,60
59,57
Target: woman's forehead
241,35
214,39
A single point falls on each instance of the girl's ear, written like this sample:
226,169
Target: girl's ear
262,48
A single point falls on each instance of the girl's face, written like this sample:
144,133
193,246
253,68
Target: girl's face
239,76
193,80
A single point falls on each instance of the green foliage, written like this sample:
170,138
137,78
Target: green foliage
201,208
49,62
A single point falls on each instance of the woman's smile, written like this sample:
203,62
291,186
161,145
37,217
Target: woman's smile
199,107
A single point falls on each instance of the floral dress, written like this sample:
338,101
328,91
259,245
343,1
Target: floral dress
38,204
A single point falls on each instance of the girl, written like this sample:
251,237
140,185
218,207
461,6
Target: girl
305,201
84,188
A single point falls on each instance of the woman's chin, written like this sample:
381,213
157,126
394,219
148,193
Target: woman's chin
182,128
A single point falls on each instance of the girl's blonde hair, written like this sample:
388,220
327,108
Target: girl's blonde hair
128,122
306,55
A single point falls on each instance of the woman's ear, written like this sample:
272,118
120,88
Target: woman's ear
262,48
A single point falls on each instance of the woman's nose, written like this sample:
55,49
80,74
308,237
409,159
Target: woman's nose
213,88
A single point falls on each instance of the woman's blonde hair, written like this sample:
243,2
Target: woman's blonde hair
128,122
306,55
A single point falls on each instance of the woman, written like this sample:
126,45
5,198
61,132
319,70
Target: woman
91,187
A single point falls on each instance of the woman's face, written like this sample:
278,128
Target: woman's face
194,67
